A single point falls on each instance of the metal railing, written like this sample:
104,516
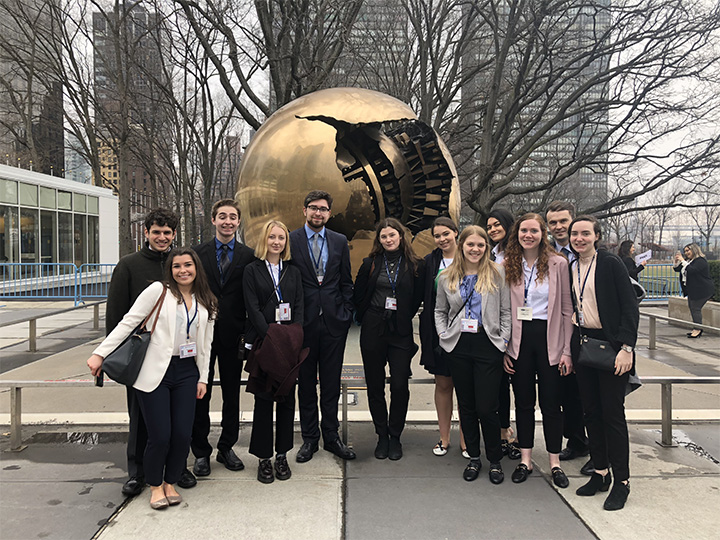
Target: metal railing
660,281
55,281
652,331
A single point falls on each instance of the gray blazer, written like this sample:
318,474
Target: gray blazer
496,319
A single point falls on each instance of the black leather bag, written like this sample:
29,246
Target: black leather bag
597,354
124,363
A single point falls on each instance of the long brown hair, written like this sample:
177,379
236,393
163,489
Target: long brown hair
405,242
488,272
200,287
514,251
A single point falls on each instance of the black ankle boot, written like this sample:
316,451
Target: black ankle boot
618,496
383,447
597,482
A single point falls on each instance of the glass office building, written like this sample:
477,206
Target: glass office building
46,219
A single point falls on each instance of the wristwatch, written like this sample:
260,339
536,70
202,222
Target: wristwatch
627,348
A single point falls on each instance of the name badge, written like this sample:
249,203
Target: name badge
188,350
320,279
282,312
391,303
581,318
469,325
524,313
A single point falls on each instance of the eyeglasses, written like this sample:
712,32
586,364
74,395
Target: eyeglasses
321,209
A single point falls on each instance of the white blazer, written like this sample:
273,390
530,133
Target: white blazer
162,340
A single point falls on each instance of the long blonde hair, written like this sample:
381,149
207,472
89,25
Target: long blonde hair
488,272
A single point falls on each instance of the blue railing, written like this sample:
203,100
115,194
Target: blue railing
55,281
660,281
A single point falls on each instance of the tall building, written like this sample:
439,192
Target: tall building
31,101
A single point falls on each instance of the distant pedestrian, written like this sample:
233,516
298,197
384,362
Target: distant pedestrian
626,252
695,282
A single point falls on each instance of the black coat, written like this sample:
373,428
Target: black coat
616,299
409,291
230,324
632,268
334,296
261,300
428,334
699,286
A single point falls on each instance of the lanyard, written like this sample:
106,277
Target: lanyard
189,320
276,284
529,282
392,279
582,289
317,264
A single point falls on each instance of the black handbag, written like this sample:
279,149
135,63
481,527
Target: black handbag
124,363
597,354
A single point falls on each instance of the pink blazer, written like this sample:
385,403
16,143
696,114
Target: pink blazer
560,310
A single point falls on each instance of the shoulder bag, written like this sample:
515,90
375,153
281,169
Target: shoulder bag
124,363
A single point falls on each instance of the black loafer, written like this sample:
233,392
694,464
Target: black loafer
282,469
306,452
571,453
133,486
202,466
187,480
618,496
395,449
265,472
496,474
559,477
230,460
340,449
588,469
521,473
472,470
383,447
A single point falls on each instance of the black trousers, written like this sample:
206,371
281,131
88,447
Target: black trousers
533,361
137,436
603,397
325,361
695,307
169,411
504,400
476,366
573,423
261,438
380,347
230,368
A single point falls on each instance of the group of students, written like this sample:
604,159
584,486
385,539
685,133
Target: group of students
490,317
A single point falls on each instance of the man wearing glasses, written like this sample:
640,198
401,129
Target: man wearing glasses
323,258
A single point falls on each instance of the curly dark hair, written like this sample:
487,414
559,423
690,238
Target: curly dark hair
161,217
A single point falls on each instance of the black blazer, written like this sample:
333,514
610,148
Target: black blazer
409,291
230,324
261,300
616,299
632,268
428,334
334,296
699,286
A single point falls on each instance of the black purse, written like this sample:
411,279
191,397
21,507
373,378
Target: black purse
597,354
124,363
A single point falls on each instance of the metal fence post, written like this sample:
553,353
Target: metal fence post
32,338
653,333
16,419
666,399
96,317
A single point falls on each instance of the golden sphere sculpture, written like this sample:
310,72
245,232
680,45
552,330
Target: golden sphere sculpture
365,148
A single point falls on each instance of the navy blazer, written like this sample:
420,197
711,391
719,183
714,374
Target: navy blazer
230,324
334,296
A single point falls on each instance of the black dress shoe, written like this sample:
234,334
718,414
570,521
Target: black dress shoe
472,470
202,466
265,472
597,482
588,469
340,449
133,486
395,449
559,477
521,473
230,460
282,469
496,474
572,453
306,452
618,496
187,479
383,447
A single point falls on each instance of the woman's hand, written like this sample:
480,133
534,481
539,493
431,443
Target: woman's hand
201,390
508,364
565,366
623,362
95,363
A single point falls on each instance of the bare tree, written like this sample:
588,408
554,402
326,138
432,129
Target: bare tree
707,216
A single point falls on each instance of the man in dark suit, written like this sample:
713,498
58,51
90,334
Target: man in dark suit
323,258
223,259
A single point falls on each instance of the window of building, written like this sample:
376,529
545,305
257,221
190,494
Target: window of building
48,237
65,237
28,194
80,239
8,191
79,202
93,239
93,205
28,235
9,245
47,198
64,200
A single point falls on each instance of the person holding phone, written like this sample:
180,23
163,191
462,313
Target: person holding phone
540,344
